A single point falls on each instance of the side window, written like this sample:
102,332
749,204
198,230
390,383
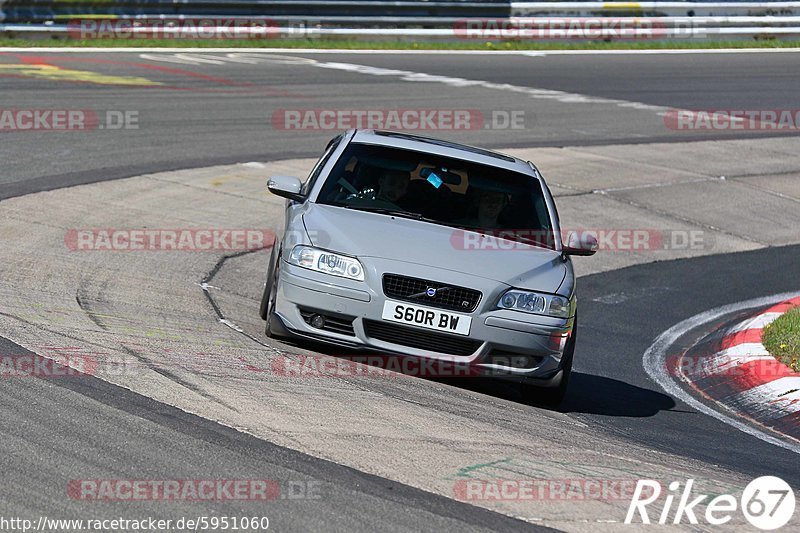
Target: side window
315,172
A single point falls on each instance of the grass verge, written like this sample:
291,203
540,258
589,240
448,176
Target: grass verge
782,338
353,44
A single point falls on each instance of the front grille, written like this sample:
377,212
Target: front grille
341,324
420,339
415,290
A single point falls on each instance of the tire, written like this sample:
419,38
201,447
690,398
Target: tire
552,397
270,295
267,286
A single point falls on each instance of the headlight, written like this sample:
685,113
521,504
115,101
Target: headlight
327,262
536,303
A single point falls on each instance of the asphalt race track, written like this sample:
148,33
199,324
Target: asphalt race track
200,110
205,114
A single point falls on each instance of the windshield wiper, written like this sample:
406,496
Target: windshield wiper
392,212
401,214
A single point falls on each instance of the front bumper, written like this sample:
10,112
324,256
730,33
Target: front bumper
501,343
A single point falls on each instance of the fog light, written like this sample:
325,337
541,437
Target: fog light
318,321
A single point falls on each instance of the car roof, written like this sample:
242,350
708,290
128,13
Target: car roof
443,147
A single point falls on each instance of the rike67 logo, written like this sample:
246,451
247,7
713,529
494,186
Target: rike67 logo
767,503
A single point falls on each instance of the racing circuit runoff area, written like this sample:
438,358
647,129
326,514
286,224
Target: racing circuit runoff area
173,390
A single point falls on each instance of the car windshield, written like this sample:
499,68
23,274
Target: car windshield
440,190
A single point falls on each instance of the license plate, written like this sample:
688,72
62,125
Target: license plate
426,317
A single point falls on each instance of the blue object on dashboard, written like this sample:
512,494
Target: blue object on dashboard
435,180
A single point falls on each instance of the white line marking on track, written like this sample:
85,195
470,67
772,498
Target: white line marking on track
410,76
187,56
654,361
532,92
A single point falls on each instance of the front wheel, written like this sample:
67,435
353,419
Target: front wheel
267,286
270,294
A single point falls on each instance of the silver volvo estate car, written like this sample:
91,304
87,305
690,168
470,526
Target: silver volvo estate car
423,248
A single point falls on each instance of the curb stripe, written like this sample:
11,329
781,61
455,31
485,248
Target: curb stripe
730,366
724,363
757,322
770,401
742,337
746,376
743,376
784,306
656,361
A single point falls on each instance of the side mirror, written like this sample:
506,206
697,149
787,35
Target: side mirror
286,186
584,244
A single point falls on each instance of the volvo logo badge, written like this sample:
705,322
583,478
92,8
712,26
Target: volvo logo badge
431,292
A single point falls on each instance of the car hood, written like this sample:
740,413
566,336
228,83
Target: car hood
363,234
